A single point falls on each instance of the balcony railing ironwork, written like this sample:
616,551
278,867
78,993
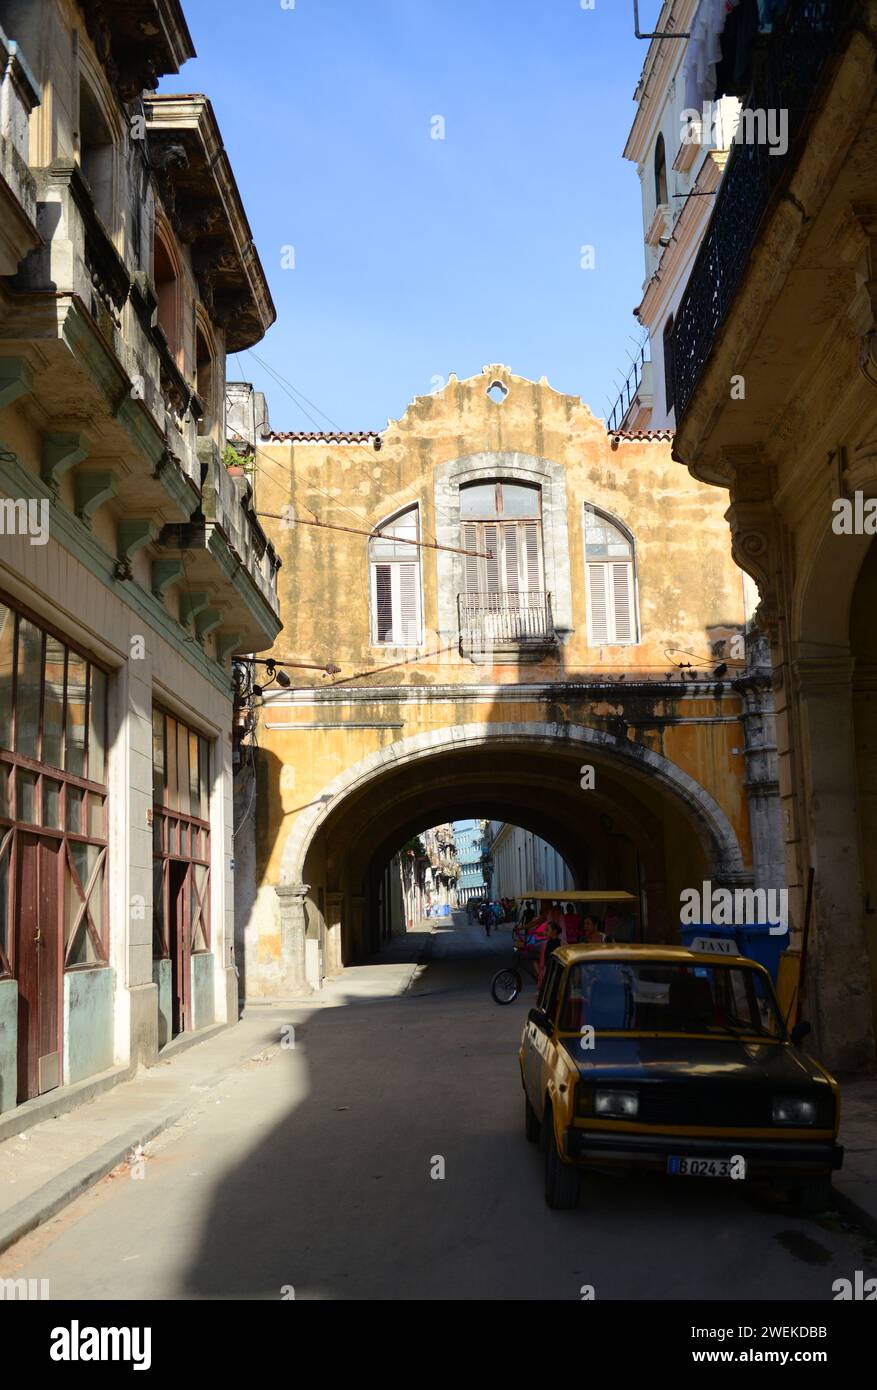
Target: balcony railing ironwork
788,75
504,620
628,391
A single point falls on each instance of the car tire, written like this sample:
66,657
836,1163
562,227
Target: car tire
562,1181
532,1123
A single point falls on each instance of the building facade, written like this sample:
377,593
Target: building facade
776,376
132,565
518,617
521,862
470,845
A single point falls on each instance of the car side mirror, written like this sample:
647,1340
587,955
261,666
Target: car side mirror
800,1031
540,1019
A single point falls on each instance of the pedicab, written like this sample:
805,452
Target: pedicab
528,941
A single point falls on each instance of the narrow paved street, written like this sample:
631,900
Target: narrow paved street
311,1170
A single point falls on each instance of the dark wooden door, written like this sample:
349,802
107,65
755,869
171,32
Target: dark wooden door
38,965
178,910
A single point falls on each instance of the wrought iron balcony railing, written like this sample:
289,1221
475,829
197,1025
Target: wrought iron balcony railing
788,77
628,391
505,620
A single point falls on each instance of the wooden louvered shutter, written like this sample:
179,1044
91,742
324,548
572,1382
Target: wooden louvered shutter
470,542
510,547
384,603
490,533
533,556
623,602
409,634
597,605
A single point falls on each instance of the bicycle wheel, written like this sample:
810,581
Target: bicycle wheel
506,985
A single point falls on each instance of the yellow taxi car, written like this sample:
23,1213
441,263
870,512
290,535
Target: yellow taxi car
677,1060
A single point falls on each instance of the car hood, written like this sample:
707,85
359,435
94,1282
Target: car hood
701,1059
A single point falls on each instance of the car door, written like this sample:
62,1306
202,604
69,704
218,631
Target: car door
539,1050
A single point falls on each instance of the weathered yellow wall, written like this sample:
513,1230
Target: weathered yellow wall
690,594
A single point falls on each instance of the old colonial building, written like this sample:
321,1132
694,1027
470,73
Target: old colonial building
131,563
510,595
776,380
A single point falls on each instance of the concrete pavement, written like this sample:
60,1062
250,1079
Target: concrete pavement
316,1169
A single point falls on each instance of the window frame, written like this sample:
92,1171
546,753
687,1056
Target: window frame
395,566
632,566
12,825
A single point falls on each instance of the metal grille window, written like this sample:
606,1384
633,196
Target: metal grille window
53,795
610,567
394,567
504,600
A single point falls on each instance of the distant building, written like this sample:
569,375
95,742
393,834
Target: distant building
470,843
521,861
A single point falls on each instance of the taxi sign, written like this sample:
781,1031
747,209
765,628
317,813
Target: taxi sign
714,945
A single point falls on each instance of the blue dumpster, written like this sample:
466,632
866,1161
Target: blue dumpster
444,910
754,940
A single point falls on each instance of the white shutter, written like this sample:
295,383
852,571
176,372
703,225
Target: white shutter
510,547
471,540
490,533
533,555
598,608
409,620
623,609
382,600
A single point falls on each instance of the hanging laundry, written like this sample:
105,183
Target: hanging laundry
704,51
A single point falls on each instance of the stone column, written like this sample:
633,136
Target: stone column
293,931
838,973
334,914
762,777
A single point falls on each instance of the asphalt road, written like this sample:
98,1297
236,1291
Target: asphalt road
312,1171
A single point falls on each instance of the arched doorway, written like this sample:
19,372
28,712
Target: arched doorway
645,826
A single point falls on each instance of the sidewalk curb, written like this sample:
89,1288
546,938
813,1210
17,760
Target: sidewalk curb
47,1201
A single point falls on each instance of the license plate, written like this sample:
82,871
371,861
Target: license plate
699,1167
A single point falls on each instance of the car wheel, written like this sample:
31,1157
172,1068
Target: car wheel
532,1124
562,1181
814,1196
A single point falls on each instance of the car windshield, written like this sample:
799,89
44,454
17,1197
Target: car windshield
669,997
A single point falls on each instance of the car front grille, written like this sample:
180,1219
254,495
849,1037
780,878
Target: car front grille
728,1106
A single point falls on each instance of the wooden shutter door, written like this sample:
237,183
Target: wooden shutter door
490,541
470,542
598,607
623,602
532,537
409,636
383,601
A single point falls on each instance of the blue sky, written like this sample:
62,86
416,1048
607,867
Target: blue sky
416,257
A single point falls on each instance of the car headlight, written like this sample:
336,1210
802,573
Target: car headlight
789,1110
622,1104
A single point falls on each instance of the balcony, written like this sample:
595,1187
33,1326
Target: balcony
19,95
790,72
518,624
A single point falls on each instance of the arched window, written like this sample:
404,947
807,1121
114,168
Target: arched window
660,172
610,566
669,374
394,581
506,520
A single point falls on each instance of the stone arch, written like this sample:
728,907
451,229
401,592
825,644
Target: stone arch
712,826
